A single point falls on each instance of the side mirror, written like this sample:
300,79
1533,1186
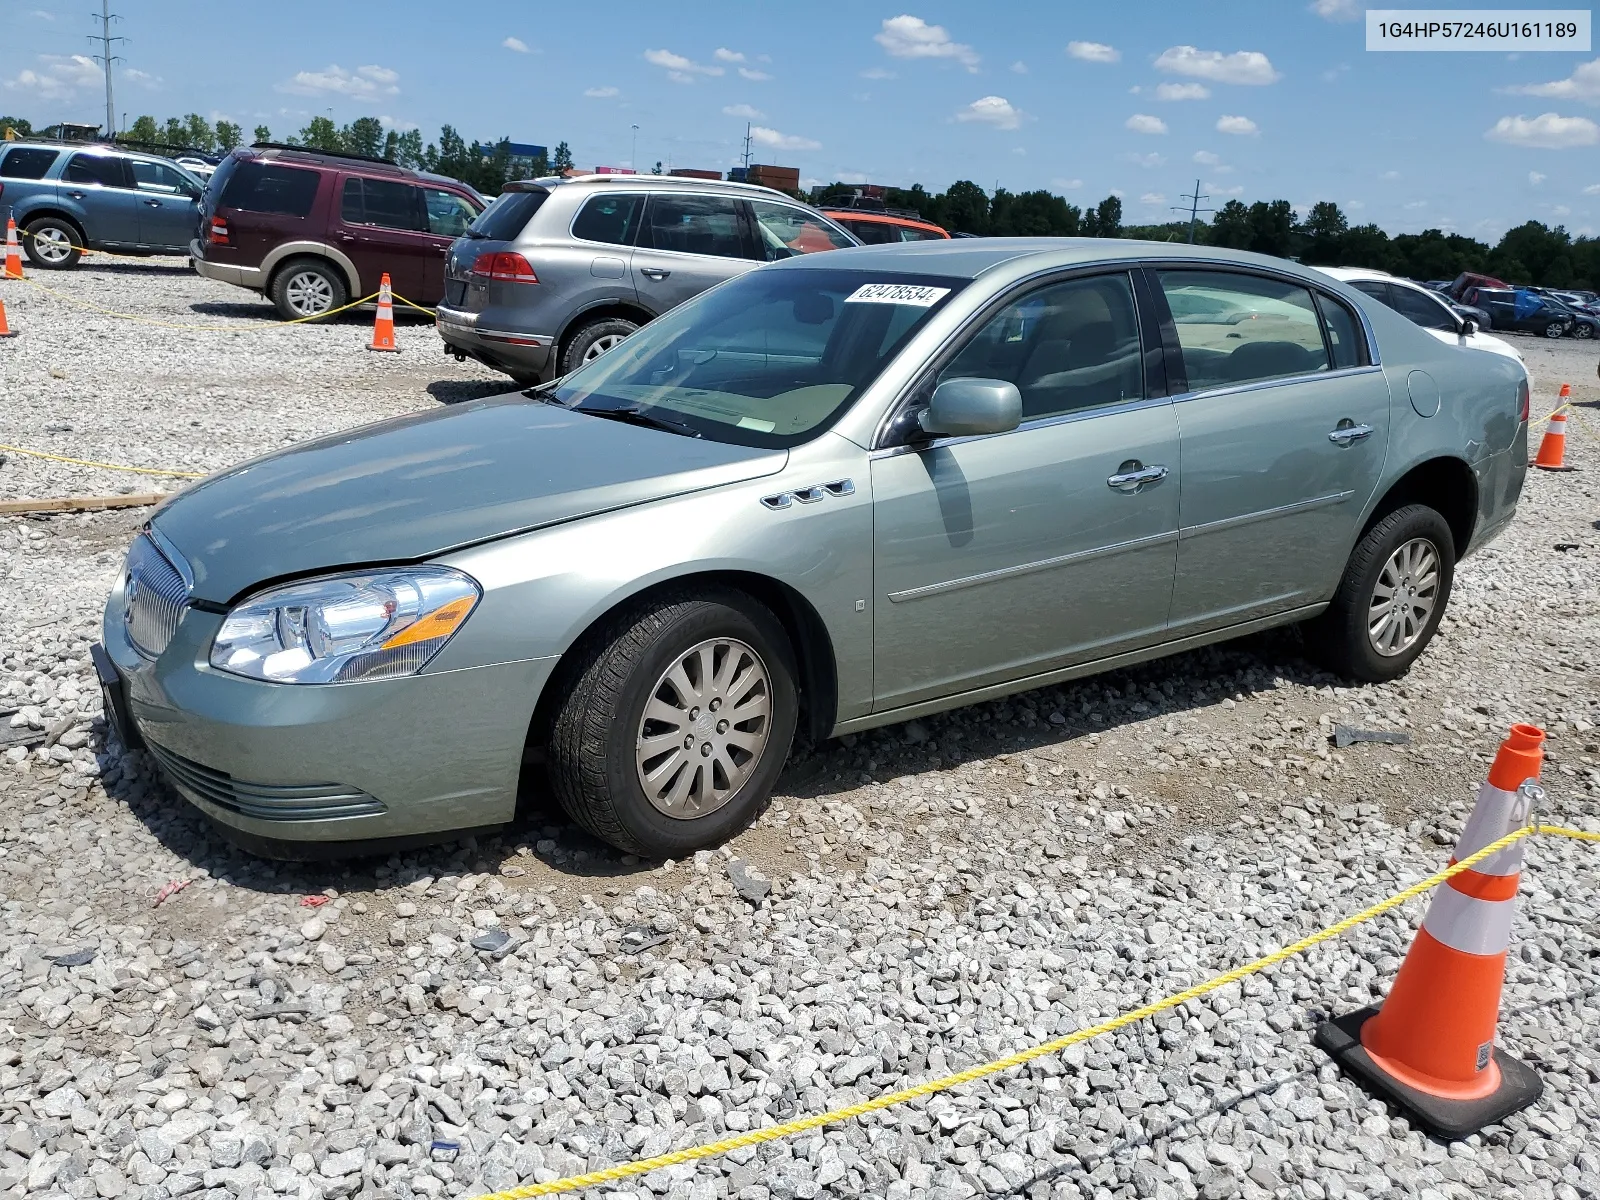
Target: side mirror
1469,326
967,407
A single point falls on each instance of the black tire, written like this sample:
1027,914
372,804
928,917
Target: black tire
1554,330
1582,332
53,230
308,287
1340,636
590,341
592,744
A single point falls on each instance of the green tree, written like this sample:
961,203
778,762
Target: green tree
561,163
1366,246
452,154
144,129
229,135
1230,226
321,134
1272,228
19,125
173,132
364,135
261,134
965,208
1324,230
1106,219
198,133
408,149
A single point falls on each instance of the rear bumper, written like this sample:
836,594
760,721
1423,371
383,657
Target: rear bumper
249,277
503,349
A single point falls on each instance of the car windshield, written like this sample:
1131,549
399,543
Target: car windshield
769,359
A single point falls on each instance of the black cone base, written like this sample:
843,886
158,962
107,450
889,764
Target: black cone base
1453,1120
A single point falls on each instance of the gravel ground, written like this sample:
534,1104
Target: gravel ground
942,891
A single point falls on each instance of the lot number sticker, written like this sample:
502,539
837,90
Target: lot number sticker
897,293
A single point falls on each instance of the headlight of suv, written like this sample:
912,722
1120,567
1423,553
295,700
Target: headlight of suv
343,628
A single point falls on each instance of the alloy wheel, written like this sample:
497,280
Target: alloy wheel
704,728
601,344
1555,329
1582,331
309,293
1403,599
53,244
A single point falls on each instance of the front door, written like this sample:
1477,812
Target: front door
688,244
383,227
101,188
169,206
448,215
1284,428
1002,557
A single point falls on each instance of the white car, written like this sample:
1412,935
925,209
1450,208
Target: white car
196,166
1422,307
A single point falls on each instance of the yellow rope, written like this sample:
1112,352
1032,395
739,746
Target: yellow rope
89,462
251,328
756,1137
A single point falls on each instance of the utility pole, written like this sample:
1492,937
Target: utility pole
747,149
1195,210
105,57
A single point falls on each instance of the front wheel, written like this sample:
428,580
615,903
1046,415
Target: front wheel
1391,599
1582,332
52,243
593,340
676,723
1555,329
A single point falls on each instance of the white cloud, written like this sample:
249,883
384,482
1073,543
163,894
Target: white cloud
877,73
1216,189
906,36
58,77
1561,210
1338,10
1413,205
1242,66
142,78
1094,52
1206,158
679,69
600,93
1583,84
754,75
364,83
515,43
743,110
41,14
1390,175
1548,131
1019,67
1183,91
1536,178
1144,123
772,139
1242,126
1066,185
397,124
1592,190
1147,160
723,54
1152,198
992,110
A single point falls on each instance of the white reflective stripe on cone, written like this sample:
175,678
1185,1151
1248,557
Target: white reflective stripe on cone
1468,924
1496,814
1557,425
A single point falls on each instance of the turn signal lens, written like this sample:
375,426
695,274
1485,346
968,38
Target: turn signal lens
504,267
1523,400
440,623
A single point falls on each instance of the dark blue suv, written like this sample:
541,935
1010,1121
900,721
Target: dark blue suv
67,196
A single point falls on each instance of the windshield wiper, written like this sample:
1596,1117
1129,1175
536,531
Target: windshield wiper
634,416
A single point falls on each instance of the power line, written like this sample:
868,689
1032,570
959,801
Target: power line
1195,210
105,16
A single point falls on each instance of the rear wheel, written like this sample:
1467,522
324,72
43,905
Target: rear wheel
308,287
676,722
52,243
593,340
1391,599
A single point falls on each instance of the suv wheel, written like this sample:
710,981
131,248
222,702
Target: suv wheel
1391,598
52,243
308,287
1555,329
676,723
593,340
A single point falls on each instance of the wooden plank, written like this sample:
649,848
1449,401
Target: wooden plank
82,503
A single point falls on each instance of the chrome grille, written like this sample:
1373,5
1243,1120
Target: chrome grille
263,801
154,596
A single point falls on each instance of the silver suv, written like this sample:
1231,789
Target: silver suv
558,271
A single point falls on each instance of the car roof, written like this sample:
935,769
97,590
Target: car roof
877,218
640,182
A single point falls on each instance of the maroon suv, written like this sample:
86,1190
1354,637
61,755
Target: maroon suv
313,229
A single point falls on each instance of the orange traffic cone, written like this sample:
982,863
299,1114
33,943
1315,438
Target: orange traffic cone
5,330
1552,454
13,267
1430,1048
383,327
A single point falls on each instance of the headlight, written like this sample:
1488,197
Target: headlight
343,628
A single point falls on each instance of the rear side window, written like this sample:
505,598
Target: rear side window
1344,333
1236,328
384,203
158,177
27,162
1422,310
265,188
871,233
506,216
694,225
607,218
909,233
96,168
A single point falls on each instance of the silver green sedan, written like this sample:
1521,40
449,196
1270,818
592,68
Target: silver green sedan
836,492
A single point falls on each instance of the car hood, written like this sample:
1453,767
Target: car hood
414,487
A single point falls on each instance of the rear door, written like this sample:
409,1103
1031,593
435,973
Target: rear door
169,205
101,189
689,242
382,225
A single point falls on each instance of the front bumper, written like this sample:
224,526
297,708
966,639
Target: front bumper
408,758
503,349
249,277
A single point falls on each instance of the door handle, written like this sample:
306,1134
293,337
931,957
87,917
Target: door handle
77,195
1347,433
1133,475
153,203
654,272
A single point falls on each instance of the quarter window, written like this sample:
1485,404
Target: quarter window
260,188
383,203
1068,346
1421,310
27,162
95,168
694,225
158,177
784,232
1345,339
448,214
1236,328
609,218
871,233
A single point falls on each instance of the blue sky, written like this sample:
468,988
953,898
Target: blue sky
1258,99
